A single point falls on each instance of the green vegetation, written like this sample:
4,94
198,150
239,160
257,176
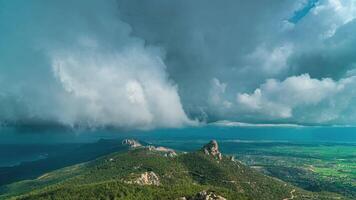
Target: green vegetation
184,175
323,167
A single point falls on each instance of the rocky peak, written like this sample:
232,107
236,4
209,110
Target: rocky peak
131,143
212,148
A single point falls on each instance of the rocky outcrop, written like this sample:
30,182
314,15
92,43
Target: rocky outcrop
232,158
171,154
131,143
204,195
147,178
212,148
166,151
161,150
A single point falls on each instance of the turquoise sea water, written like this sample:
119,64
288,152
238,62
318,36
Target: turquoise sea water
26,144
12,135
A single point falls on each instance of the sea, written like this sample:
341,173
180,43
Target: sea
23,144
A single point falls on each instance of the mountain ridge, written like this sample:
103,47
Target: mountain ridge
149,172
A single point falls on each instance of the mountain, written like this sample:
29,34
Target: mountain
149,172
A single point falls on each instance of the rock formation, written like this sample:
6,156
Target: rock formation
232,158
166,151
147,178
131,143
204,195
212,148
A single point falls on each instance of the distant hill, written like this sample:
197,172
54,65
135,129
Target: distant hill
148,172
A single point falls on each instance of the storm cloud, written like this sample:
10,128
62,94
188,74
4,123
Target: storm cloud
216,52
158,63
75,63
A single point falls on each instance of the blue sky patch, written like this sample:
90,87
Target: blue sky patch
301,13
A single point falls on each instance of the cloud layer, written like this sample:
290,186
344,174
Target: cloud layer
147,64
75,63
270,61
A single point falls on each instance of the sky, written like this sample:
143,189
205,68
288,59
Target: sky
155,64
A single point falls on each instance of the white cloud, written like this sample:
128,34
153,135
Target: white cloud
334,13
86,70
271,61
279,99
125,89
217,95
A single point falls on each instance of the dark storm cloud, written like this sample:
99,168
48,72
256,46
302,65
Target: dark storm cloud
333,58
206,39
240,44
